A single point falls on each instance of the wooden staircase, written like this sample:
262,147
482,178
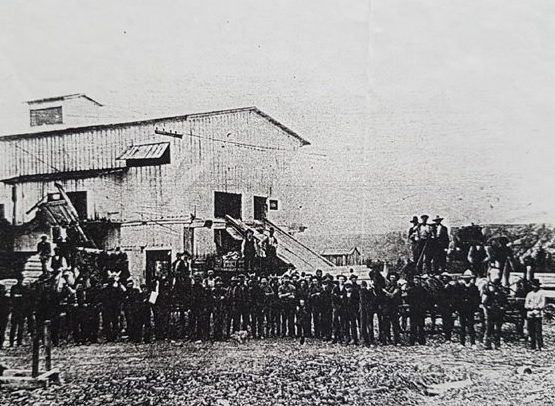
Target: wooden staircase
290,250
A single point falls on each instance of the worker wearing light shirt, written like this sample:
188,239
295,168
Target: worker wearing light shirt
534,305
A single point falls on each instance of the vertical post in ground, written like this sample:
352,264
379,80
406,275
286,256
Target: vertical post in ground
36,345
47,345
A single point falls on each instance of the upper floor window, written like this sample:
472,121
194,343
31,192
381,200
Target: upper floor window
50,115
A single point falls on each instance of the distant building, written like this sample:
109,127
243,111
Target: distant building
152,187
343,257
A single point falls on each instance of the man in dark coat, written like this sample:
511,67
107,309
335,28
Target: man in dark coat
131,309
446,301
326,308
494,301
19,295
47,306
302,317
219,306
44,249
268,298
248,251
4,313
367,308
144,311
180,267
314,293
392,301
413,239
441,238
199,301
236,299
287,295
416,300
425,237
468,302
350,313
256,303
275,329
112,299
338,304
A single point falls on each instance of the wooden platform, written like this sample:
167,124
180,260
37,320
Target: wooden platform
23,379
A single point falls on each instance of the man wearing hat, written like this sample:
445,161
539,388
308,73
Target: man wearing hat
413,238
425,235
446,304
248,251
391,315
180,267
218,307
198,325
441,239
235,299
534,304
468,302
350,314
44,249
326,307
494,301
287,295
416,297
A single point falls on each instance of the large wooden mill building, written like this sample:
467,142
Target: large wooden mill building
156,187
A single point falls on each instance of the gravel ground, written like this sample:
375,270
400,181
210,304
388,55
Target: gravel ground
281,372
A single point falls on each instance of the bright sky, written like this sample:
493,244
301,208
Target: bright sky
442,107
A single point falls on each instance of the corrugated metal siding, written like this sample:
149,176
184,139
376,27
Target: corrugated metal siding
200,165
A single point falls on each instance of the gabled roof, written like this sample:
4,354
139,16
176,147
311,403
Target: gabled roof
64,97
154,121
339,252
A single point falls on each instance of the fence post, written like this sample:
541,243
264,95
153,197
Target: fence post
36,345
47,345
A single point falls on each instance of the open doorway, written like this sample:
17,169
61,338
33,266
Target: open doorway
227,204
79,201
260,207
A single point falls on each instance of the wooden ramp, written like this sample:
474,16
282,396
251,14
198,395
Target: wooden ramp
290,250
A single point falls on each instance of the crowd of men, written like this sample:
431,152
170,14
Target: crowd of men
206,307
106,306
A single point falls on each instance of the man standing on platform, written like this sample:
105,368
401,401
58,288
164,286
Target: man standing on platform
248,251
270,246
441,245
413,239
425,235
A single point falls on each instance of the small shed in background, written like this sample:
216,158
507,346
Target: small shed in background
342,257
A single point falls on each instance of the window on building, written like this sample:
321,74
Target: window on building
227,204
274,205
51,115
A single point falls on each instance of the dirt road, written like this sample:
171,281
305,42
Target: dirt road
281,372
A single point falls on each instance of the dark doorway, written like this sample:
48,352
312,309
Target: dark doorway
227,204
79,201
158,263
260,208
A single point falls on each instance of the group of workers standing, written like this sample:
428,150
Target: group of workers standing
202,306
206,307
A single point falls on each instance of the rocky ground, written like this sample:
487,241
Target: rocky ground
281,372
